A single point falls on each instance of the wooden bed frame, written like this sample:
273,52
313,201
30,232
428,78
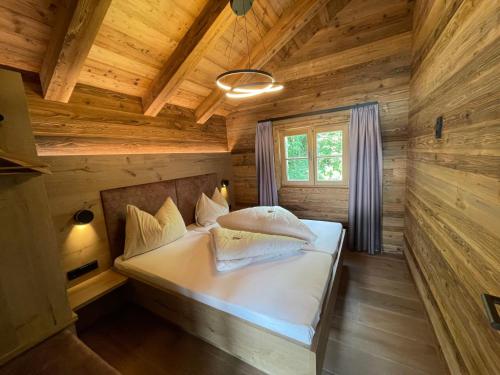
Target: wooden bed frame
266,350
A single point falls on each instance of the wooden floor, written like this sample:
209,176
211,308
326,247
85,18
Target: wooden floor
380,328
380,325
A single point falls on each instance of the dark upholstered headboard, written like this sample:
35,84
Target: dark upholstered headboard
149,197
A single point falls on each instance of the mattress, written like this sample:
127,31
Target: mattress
329,235
284,296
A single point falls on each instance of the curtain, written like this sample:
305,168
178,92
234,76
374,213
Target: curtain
365,180
264,160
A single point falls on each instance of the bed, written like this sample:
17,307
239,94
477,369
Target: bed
274,315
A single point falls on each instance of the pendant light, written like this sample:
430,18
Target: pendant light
253,81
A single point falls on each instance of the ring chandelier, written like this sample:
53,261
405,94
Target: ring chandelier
245,90
244,83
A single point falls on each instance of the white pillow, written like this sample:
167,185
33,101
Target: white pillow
207,211
145,232
217,197
268,220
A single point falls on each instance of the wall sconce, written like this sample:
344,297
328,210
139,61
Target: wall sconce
223,189
83,217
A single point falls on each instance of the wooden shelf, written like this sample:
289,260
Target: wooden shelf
14,164
92,289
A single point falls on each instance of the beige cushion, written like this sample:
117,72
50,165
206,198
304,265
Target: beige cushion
145,232
268,220
217,197
207,211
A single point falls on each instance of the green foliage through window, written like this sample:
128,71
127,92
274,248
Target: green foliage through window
297,164
328,154
329,151
296,146
297,169
330,169
329,143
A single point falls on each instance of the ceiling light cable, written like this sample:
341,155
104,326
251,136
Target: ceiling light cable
260,34
249,82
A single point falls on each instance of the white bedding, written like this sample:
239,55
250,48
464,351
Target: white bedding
328,232
284,295
268,220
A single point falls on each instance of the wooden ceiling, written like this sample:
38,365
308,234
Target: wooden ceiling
165,51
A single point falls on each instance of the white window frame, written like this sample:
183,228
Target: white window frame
284,174
311,132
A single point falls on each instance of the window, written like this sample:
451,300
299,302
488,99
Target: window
297,157
314,155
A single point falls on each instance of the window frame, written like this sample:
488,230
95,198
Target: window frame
283,158
311,131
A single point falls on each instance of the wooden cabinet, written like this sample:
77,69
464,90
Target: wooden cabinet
33,301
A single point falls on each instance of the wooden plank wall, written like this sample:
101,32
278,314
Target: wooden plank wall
369,44
100,140
453,193
98,122
77,180
33,303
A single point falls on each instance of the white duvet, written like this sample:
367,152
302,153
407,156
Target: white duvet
328,241
268,220
237,244
234,249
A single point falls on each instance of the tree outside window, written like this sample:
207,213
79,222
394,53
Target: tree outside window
314,156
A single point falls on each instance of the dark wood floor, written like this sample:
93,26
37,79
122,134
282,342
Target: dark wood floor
380,327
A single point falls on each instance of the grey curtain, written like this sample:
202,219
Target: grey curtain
264,160
365,180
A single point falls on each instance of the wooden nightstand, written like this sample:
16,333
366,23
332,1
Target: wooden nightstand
92,289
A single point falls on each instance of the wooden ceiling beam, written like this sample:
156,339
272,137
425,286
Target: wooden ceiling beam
208,27
289,24
77,25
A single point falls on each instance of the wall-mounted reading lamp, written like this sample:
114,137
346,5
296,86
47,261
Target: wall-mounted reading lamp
83,217
224,184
